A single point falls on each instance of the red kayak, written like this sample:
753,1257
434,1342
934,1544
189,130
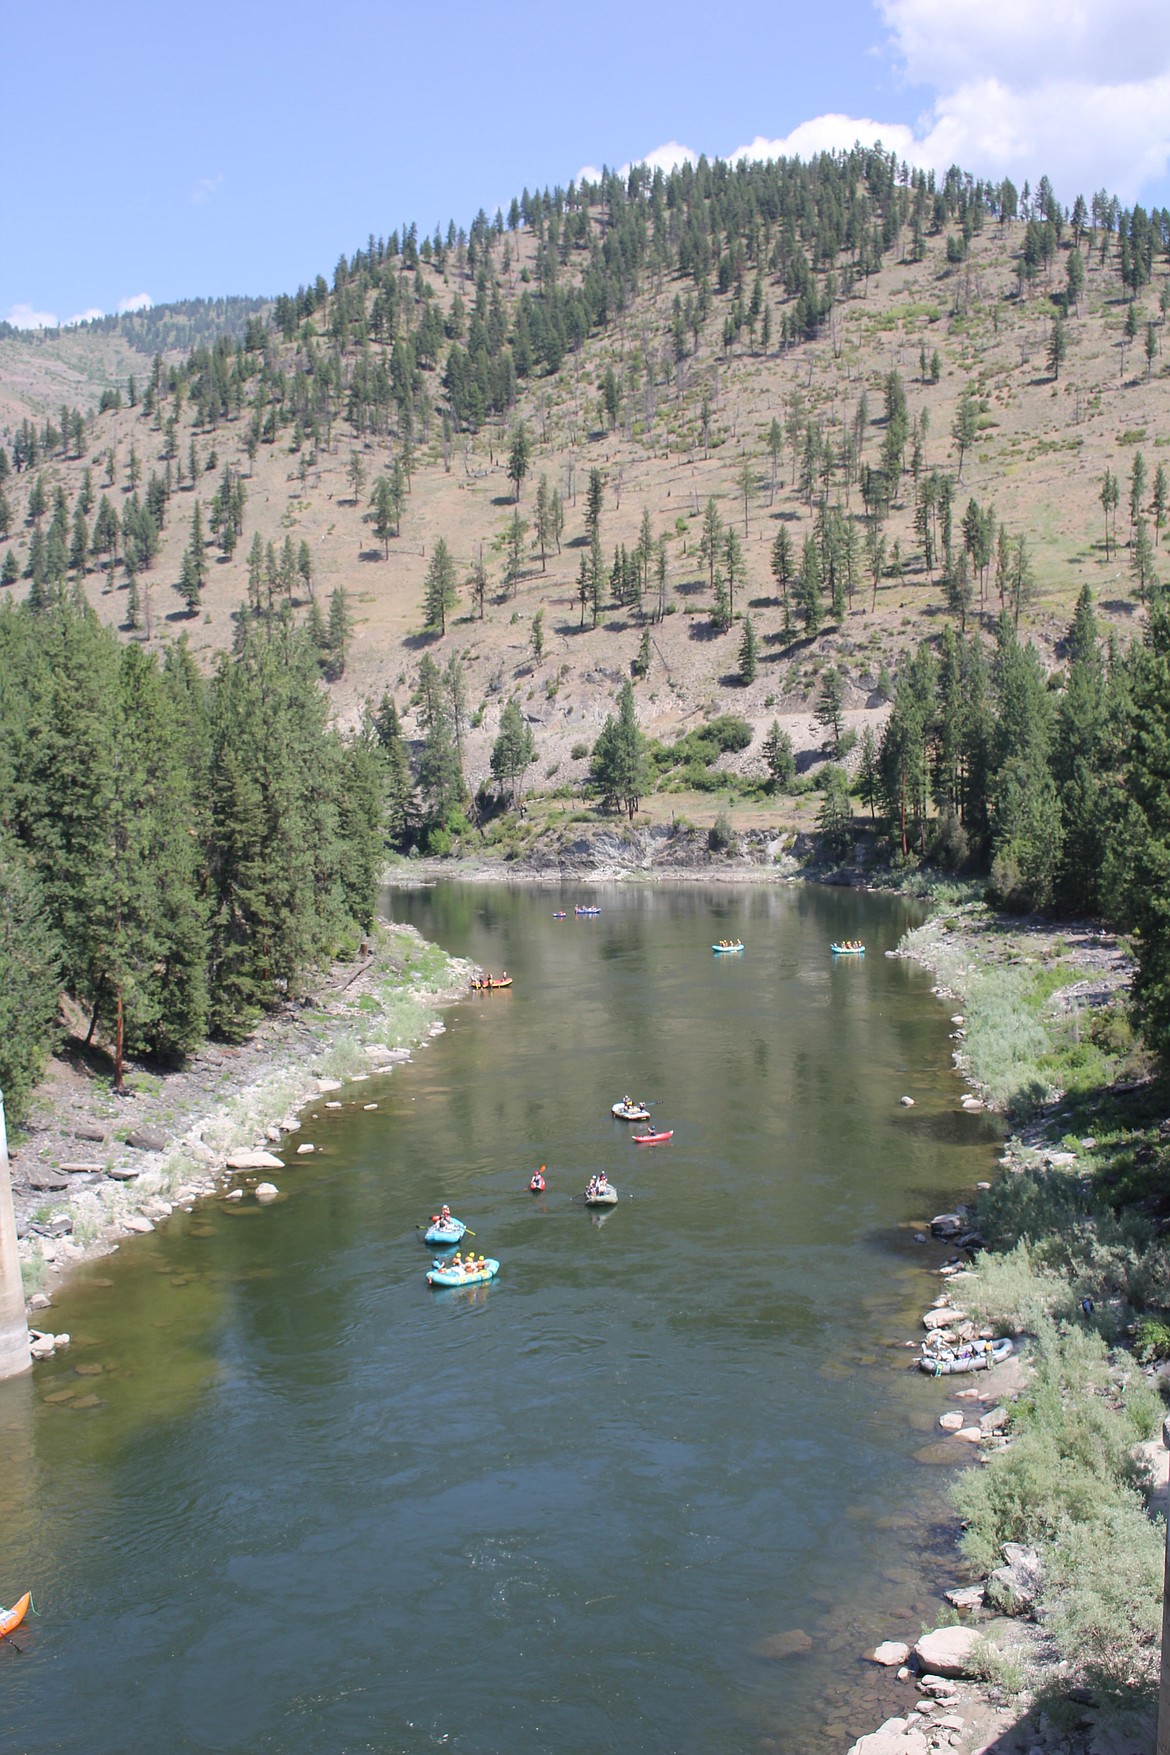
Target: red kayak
652,1139
536,1185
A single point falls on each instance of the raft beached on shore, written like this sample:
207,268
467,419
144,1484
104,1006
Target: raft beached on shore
485,984
971,1356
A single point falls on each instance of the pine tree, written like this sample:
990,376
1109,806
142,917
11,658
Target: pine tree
809,586
711,541
513,751
441,593
829,711
189,583
338,633
519,457
748,654
30,980
544,520
733,562
835,817
782,573
383,513
1142,887
965,427
779,758
620,769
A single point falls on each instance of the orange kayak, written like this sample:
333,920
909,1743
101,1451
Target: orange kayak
11,1618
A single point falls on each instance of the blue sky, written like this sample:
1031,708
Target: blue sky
162,152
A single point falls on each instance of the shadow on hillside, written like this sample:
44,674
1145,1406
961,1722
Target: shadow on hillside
705,630
370,554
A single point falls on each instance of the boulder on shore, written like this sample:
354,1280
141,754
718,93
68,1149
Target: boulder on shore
947,1651
147,1139
254,1161
898,1736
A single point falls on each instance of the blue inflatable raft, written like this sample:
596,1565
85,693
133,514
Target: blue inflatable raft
445,1236
445,1274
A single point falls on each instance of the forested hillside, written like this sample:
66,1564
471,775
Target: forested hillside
854,478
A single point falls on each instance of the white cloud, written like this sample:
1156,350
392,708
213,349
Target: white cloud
833,133
1082,95
1027,44
27,317
663,158
136,302
204,189
82,317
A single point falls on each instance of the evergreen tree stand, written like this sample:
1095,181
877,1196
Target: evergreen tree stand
14,1354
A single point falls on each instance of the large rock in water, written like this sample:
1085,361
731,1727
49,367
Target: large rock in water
254,1161
948,1651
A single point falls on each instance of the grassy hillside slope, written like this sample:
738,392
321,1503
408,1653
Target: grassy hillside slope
686,429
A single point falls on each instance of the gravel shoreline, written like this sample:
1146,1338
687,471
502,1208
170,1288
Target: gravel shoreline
92,1167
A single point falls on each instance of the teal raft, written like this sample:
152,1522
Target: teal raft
848,950
444,1236
445,1274
722,950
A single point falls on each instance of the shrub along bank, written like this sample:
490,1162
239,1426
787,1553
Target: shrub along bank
1077,1259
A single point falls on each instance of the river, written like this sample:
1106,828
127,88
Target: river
656,1489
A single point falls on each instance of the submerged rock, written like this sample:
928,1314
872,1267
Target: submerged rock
891,1653
794,1643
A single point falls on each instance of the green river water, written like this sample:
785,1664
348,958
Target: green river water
280,1497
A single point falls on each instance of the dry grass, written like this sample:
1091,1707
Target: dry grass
1042,450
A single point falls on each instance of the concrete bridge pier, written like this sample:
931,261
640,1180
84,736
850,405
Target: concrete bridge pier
14,1354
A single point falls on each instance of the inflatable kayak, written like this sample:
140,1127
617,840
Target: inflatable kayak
722,950
559,915
444,1235
971,1356
629,1111
11,1618
586,910
848,950
653,1139
447,1274
536,1184
487,985
601,1197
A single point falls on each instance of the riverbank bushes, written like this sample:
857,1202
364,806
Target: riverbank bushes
199,843
1071,1484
